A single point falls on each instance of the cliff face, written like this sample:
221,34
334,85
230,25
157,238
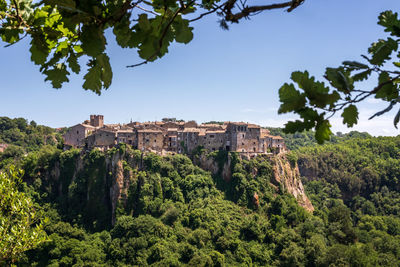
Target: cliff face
289,178
210,164
88,186
282,174
95,186
119,183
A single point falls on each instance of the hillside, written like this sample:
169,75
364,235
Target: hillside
122,207
18,137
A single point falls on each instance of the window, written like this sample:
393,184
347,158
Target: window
155,140
243,135
254,143
77,132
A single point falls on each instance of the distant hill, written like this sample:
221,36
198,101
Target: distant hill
21,137
307,138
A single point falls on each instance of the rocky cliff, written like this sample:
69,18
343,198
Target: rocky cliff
289,177
95,185
284,174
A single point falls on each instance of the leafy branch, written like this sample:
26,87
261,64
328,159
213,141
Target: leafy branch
316,103
63,32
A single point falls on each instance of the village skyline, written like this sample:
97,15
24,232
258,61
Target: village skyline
174,136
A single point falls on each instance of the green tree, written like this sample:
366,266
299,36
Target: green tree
61,32
21,227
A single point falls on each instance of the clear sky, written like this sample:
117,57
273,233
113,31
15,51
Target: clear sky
221,75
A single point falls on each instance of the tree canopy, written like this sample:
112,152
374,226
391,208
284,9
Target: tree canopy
64,33
61,32
21,226
174,213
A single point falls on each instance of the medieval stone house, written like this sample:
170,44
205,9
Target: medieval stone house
171,136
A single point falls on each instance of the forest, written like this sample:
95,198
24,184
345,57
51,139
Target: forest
124,208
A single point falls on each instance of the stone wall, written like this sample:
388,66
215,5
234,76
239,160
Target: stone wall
150,140
76,135
102,138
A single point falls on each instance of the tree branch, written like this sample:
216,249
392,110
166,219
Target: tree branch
245,12
208,13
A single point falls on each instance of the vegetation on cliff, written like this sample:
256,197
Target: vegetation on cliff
123,208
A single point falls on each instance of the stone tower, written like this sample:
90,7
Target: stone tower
97,120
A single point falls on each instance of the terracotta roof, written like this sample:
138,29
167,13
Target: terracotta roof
106,129
210,125
125,131
250,125
202,132
215,131
113,125
191,130
149,131
85,125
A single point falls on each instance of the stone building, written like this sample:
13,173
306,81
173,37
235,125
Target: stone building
127,135
172,136
75,136
150,140
103,138
97,120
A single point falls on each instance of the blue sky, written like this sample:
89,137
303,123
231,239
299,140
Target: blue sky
221,75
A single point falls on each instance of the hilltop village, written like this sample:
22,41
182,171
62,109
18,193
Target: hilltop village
172,136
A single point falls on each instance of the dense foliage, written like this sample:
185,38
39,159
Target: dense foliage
297,140
173,213
23,137
21,225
